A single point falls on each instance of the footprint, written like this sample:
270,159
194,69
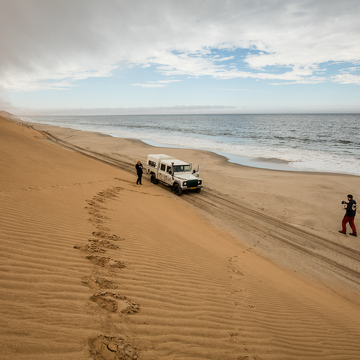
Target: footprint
89,248
102,228
107,194
104,243
114,302
105,303
105,262
235,273
97,215
112,348
95,220
98,283
105,235
94,204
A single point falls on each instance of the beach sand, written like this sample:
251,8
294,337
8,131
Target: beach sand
94,266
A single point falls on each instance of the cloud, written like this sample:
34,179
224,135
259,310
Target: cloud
347,79
153,84
51,44
150,85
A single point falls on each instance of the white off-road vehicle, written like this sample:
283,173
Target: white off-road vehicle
172,172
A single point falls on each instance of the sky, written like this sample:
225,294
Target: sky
62,57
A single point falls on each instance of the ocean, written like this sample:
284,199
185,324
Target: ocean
299,142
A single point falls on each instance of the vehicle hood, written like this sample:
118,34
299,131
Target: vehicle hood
185,176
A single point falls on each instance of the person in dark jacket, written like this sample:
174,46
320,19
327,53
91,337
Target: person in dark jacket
139,170
349,215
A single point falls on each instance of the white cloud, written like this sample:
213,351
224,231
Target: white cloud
150,85
160,83
347,79
50,44
350,69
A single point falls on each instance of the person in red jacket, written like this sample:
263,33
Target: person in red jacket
349,215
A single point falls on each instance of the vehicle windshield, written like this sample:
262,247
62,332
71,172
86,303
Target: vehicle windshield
181,168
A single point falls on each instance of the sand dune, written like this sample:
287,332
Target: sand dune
96,267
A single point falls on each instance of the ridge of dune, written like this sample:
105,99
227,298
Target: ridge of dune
95,267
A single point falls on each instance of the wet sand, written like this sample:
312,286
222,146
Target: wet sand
95,267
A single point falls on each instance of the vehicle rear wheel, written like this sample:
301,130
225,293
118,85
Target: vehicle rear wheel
177,190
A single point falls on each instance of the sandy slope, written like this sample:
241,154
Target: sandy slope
95,267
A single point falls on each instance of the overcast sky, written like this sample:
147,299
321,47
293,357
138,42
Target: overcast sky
165,56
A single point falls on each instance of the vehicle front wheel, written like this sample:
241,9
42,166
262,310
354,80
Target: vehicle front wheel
177,190
153,179
198,190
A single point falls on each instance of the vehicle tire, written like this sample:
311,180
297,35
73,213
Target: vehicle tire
198,190
153,179
177,189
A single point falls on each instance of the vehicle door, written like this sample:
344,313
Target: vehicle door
169,174
162,173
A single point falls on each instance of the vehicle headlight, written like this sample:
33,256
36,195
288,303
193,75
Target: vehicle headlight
199,182
185,183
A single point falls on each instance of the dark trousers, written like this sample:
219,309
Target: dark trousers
349,220
139,179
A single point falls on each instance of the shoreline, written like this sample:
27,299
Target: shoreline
94,262
257,162
260,163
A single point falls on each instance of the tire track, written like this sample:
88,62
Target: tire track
127,166
340,259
